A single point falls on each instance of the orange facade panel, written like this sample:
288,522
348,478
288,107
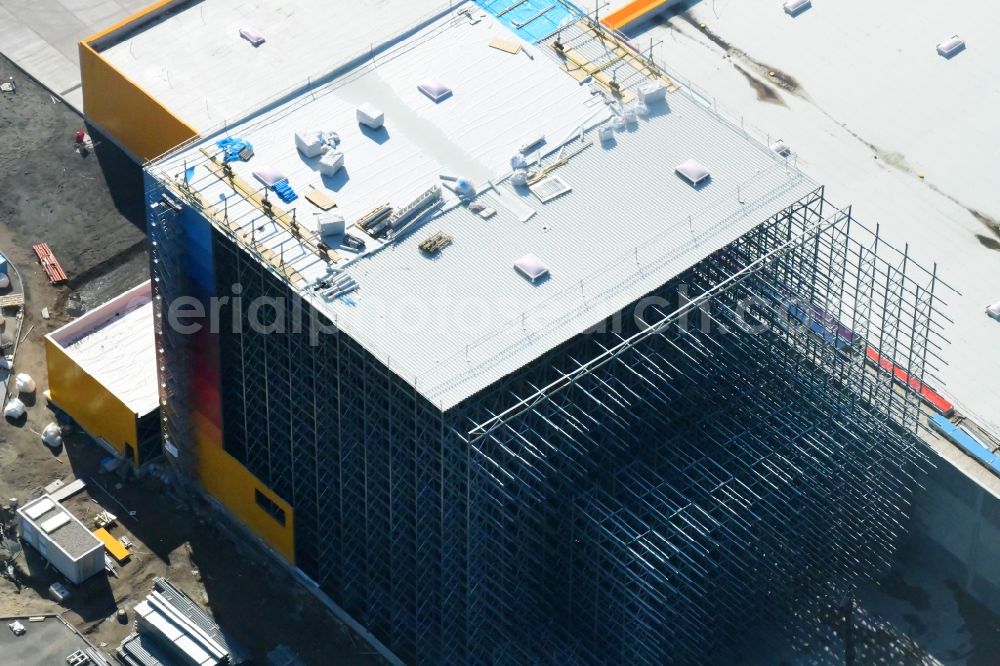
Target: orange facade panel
126,112
632,12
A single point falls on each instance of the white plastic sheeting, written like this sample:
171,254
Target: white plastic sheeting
15,409
52,436
4,281
331,224
25,384
313,142
310,142
371,116
652,92
331,162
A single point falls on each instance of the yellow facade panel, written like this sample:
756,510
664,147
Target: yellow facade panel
245,496
86,400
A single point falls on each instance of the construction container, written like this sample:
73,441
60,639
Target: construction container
61,539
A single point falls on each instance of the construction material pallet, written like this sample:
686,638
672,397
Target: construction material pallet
12,300
49,263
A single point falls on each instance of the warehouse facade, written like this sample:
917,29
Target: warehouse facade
677,421
102,373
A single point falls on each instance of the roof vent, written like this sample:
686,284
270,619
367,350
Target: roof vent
951,47
796,7
549,188
434,89
692,171
531,267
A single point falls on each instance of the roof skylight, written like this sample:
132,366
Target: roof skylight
531,267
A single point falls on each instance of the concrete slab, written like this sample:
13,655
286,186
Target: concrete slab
41,36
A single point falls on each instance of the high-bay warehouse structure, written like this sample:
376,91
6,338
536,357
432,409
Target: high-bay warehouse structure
574,371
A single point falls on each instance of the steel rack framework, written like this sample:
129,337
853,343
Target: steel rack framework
696,465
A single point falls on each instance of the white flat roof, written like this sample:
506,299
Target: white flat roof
454,323
115,344
876,107
195,63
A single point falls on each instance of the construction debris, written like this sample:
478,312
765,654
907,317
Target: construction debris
436,243
49,263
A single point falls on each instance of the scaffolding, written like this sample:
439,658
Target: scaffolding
647,492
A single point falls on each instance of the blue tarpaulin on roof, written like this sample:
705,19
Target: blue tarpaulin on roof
232,147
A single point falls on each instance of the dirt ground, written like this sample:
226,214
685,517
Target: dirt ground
89,210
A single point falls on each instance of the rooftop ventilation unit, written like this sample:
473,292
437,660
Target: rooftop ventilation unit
549,188
950,47
434,89
531,267
795,7
692,171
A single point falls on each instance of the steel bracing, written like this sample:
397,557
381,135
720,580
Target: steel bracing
649,492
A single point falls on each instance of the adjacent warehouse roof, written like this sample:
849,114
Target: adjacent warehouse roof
612,222
191,57
114,344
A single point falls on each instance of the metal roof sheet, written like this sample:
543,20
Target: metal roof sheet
453,324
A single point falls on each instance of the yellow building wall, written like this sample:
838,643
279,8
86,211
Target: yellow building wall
86,400
122,108
228,481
